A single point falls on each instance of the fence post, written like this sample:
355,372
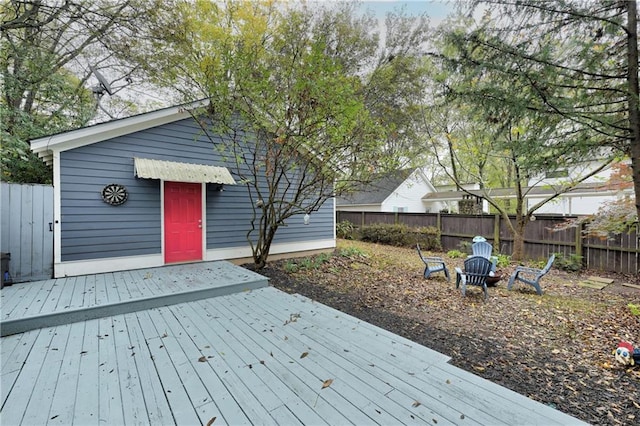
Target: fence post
496,233
439,226
579,240
362,220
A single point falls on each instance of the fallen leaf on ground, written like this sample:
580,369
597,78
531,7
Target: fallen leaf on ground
327,383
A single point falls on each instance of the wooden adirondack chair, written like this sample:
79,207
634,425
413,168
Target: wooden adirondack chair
484,249
476,271
531,276
433,264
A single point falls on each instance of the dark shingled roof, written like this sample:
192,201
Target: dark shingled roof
377,190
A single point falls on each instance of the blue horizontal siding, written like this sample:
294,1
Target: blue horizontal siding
92,229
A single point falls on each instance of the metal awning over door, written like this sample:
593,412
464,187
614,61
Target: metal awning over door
147,168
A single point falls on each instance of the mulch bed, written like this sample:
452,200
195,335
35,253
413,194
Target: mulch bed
556,348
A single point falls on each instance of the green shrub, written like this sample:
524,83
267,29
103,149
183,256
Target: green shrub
503,260
571,263
465,247
428,237
290,266
401,235
311,262
456,254
635,309
352,252
345,230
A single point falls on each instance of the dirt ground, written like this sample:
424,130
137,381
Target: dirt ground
556,348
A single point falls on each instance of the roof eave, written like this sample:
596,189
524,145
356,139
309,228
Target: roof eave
46,146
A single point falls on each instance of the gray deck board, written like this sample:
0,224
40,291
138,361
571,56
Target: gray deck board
87,397
176,395
15,349
100,284
318,368
62,407
369,361
157,407
254,397
338,361
230,355
26,299
108,382
38,393
383,362
283,379
248,357
194,374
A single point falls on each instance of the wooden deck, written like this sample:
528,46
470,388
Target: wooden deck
248,357
32,305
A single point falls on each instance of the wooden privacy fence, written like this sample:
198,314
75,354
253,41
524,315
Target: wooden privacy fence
621,253
26,213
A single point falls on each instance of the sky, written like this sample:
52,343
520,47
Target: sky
436,9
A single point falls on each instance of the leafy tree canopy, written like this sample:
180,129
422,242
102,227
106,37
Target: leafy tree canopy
46,48
324,105
572,64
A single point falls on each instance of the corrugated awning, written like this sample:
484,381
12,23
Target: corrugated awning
181,172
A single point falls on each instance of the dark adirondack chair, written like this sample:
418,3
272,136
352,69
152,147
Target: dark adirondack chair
433,264
476,271
531,276
484,249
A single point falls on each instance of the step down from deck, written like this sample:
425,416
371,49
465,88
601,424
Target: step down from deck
228,279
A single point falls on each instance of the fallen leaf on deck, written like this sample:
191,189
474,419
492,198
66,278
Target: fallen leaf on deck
304,354
416,404
210,422
202,359
327,383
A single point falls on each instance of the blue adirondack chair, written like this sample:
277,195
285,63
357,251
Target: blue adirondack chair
484,249
433,264
531,276
476,271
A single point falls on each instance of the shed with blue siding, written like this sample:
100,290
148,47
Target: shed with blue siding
106,218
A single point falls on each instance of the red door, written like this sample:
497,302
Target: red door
182,222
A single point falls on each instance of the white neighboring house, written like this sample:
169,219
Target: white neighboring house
400,191
585,199
449,196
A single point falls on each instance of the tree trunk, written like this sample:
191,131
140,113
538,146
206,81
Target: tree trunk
518,238
634,91
263,246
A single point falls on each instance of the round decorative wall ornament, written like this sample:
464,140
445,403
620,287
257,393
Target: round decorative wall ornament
114,194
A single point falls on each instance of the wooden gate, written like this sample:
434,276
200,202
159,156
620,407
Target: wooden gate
26,230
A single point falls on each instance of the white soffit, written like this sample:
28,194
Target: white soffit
181,172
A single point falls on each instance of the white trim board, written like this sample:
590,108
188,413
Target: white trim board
113,264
